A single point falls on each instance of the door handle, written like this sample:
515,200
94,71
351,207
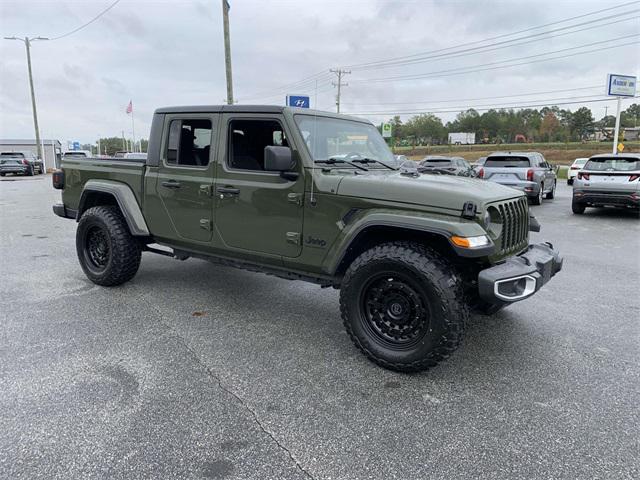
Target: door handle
171,184
228,191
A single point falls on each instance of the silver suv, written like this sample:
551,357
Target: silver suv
526,171
608,181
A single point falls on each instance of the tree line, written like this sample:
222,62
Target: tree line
111,145
549,124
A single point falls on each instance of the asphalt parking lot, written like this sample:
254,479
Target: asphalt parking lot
199,371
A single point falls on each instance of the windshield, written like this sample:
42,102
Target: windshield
580,161
337,138
12,155
75,154
502,162
617,164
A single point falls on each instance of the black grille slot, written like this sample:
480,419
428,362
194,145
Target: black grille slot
515,225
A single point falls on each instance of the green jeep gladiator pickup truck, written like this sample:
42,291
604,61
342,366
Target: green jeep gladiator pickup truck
312,196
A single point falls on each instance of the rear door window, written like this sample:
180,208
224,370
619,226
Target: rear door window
189,142
506,162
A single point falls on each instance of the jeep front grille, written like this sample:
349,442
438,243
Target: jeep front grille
515,225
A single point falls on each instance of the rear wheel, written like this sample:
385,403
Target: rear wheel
552,192
403,306
108,253
537,200
577,207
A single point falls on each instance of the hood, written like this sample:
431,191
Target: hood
443,191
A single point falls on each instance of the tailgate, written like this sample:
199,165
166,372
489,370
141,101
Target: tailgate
505,174
615,181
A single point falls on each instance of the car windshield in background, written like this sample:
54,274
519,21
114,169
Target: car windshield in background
616,164
506,162
336,138
439,162
11,155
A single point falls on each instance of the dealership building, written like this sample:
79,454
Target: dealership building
51,149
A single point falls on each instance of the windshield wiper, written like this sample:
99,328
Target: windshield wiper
373,160
333,161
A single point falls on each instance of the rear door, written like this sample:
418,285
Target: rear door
256,210
185,176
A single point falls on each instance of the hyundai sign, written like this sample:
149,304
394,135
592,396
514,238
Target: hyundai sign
621,85
300,101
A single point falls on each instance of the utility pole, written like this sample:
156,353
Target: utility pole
227,50
339,72
27,43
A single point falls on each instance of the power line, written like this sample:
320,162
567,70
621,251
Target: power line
505,44
302,83
476,68
88,23
481,98
553,104
361,65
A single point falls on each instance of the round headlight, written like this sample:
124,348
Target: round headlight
493,221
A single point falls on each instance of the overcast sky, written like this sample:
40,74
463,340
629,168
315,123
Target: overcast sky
160,53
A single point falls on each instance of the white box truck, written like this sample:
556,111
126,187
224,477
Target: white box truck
462,138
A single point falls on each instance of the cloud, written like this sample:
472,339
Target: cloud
171,53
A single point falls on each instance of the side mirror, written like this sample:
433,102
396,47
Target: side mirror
280,159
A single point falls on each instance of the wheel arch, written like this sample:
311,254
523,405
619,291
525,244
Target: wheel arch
105,192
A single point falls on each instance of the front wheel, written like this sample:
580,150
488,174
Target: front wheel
403,306
108,253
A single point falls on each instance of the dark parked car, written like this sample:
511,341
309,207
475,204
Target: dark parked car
446,165
24,163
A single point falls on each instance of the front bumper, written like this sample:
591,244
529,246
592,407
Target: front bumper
521,276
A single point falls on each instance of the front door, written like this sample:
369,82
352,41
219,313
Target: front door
185,175
256,210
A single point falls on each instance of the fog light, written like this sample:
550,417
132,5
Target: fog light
513,289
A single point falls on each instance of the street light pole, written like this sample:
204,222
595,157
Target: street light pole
27,42
227,50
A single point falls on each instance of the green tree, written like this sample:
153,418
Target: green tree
631,116
549,126
425,129
581,123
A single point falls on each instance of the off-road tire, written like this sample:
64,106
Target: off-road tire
551,195
577,207
123,251
437,286
537,200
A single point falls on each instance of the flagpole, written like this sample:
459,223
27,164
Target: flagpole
133,133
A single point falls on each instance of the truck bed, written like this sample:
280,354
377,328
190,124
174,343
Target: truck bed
79,170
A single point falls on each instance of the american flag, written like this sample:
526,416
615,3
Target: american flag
130,107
